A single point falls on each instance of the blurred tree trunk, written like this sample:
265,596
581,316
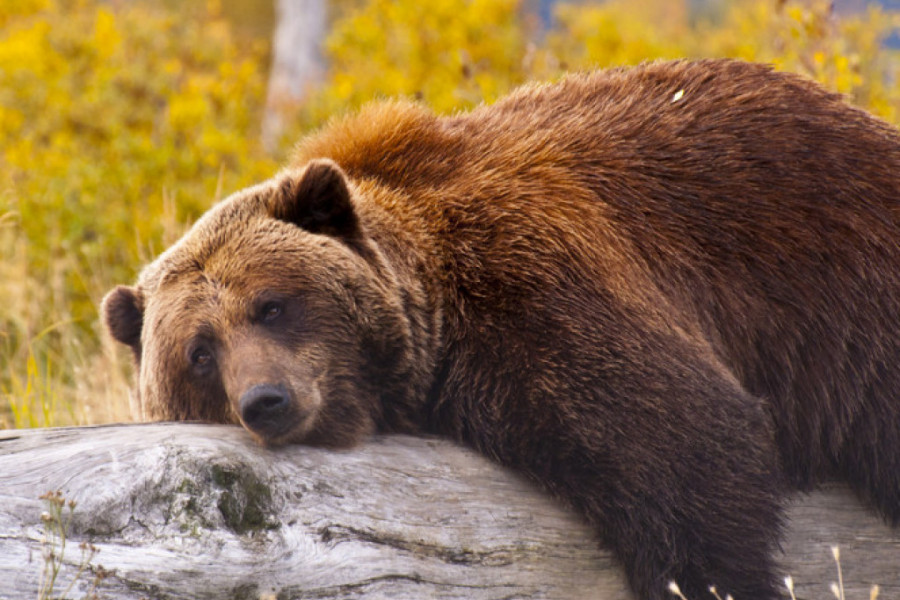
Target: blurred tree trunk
297,63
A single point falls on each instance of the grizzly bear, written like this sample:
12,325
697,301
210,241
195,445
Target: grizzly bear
669,293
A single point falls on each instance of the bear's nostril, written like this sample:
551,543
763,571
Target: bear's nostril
264,407
270,402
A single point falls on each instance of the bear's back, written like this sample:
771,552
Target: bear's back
755,209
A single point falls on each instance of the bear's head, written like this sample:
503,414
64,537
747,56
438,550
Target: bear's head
277,311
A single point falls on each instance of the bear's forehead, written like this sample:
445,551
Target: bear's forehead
237,274
190,293
253,255
195,304
213,285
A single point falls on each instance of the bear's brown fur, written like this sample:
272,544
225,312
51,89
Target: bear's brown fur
668,293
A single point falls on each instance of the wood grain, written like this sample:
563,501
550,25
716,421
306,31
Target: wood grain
194,511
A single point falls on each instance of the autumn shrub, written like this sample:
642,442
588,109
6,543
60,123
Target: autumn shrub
454,54
847,54
118,123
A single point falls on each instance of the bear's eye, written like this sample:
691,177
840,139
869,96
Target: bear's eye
271,311
201,358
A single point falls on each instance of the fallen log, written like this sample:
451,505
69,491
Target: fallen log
194,511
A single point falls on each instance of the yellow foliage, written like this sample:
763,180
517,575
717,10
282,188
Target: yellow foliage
619,32
456,53
111,114
846,55
448,53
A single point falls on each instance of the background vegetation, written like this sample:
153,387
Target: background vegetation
121,122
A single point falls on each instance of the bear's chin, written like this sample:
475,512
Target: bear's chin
316,431
297,432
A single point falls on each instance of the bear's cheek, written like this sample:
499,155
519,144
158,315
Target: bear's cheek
346,415
341,425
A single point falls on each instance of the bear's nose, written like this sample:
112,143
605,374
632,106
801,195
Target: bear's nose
264,408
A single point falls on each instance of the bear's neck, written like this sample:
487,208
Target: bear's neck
405,257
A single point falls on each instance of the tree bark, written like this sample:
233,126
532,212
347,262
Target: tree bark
199,511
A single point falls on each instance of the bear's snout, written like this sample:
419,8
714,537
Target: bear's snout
265,409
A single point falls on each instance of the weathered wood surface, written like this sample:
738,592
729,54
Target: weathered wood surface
195,511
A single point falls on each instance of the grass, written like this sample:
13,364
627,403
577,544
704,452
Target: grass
93,389
55,370
119,124
56,520
836,587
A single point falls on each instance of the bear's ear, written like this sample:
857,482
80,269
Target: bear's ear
123,315
318,200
